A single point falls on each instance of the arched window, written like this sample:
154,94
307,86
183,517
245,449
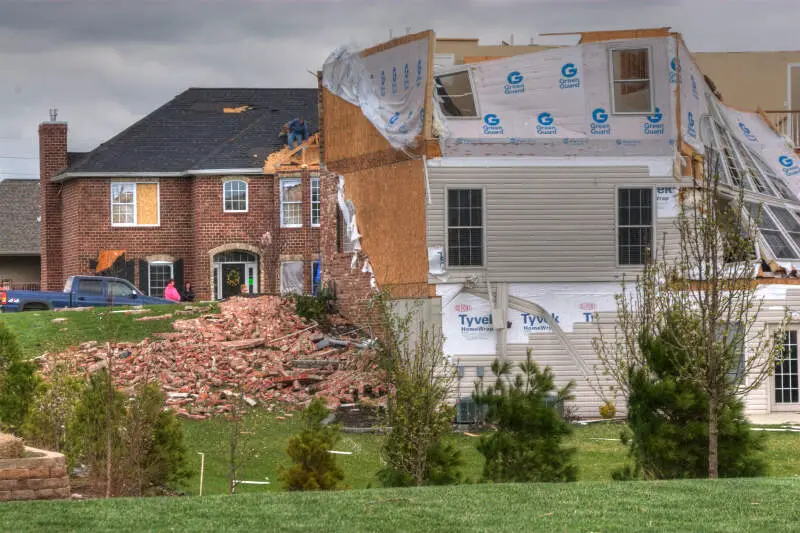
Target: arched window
234,194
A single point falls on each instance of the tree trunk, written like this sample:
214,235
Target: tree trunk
713,438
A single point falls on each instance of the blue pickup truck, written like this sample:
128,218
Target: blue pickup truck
79,291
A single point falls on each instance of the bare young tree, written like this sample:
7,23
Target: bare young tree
705,295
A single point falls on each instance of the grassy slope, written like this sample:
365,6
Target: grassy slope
37,333
726,505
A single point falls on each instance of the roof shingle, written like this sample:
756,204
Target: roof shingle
193,132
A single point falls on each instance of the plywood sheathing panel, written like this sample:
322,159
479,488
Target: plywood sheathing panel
390,212
147,203
347,133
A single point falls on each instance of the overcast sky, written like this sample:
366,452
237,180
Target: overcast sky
106,63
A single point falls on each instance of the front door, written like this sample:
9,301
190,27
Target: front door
233,276
787,388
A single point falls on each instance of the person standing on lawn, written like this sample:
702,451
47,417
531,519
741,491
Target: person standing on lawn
171,293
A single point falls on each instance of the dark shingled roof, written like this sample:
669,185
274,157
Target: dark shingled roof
19,213
192,132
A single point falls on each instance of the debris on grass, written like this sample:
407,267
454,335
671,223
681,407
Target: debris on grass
257,346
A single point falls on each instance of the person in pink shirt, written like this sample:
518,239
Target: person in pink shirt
171,293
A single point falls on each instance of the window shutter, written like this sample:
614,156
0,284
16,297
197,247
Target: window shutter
144,276
129,271
93,266
177,274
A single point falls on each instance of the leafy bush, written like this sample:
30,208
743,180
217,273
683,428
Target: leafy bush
668,421
143,442
314,308
314,468
527,443
52,408
18,381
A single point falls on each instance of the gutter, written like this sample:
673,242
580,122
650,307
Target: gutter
183,174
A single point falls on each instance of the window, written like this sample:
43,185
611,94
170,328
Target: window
292,277
234,193
90,287
316,277
160,274
117,289
456,95
631,84
134,204
786,385
788,221
634,226
315,203
779,245
465,227
733,334
291,203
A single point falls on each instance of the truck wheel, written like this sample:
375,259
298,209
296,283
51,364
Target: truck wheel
35,307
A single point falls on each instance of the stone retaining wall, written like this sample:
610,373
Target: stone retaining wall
40,476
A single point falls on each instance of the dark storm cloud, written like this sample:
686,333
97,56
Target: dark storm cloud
106,63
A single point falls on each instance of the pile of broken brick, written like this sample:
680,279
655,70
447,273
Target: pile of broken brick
255,350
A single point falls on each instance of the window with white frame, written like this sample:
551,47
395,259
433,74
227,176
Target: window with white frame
291,203
464,227
315,202
634,226
787,388
234,194
630,80
134,204
456,97
776,240
159,276
292,277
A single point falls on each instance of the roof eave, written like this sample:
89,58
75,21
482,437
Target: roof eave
66,176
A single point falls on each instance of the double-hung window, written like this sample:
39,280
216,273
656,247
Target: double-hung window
631,81
160,272
292,277
634,226
134,204
465,227
291,203
315,202
234,193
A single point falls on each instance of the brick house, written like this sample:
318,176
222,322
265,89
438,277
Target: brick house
186,193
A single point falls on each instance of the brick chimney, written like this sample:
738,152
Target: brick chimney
52,159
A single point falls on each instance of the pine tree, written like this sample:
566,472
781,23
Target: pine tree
314,467
18,381
527,443
668,419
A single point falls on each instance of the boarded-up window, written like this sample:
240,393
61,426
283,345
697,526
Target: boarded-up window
630,74
292,277
134,204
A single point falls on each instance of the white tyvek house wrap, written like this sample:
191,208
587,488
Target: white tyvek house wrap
757,136
694,104
388,86
558,103
466,322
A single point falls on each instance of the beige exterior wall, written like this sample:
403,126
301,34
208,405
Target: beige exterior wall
751,79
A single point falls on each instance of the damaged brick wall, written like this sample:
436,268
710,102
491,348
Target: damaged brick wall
352,286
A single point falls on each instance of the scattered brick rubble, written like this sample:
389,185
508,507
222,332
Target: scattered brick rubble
256,347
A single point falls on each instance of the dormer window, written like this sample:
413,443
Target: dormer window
632,88
456,95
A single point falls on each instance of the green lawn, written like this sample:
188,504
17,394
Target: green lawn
696,505
38,334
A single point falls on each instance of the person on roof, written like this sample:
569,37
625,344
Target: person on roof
298,132
171,293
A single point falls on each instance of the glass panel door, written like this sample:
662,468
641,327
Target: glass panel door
786,382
